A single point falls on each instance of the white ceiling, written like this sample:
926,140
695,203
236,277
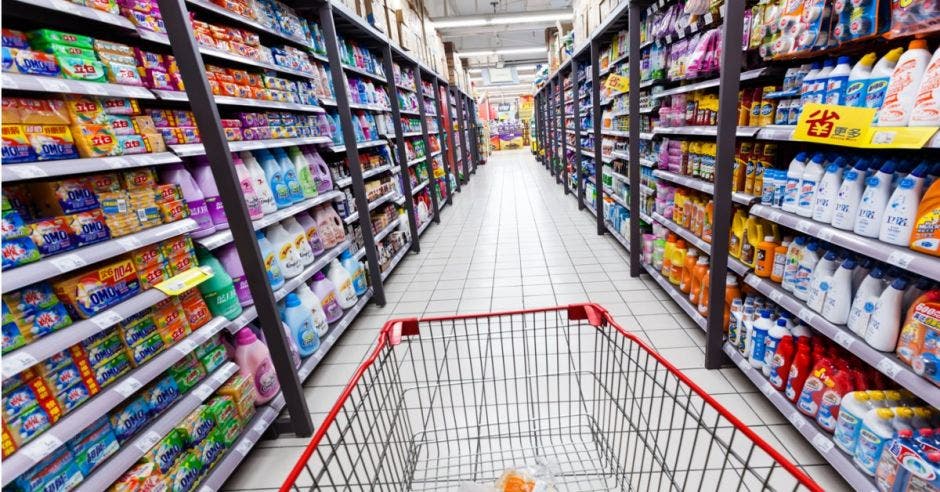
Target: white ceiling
468,39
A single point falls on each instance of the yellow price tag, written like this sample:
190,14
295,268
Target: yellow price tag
852,127
905,137
178,284
617,83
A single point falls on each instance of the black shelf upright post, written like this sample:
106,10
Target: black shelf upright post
550,124
352,151
462,135
596,122
474,135
575,108
563,133
193,72
432,185
387,64
451,140
633,141
442,131
732,58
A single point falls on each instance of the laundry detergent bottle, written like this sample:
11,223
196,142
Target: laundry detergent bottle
905,82
329,296
925,237
259,183
356,272
198,210
219,290
228,256
274,175
901,214
312,302
343,282
290,175
299,238
202,173
874,201
300,321
271,264
291,263
246,181
308,185
309,225
254,363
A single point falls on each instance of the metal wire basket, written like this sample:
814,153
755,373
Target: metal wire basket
444,402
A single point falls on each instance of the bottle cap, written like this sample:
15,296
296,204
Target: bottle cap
292,300
916,44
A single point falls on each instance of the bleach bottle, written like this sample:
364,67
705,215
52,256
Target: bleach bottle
905,82
838,82
300,321
791,193
874,201
898,221
758,347
880,79
875,432
858,81
854,407
927,102
774,336
849,196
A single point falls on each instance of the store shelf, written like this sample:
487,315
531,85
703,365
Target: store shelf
733,264
620,155
620,239
359,145
587,204
423,185
51,266
587,152
410,134
101,404
395,261
703,186
647,163
187,150
409,112
647,135
336,330
885,362
343,183
710,83
424,227
225,236
615,133
372,206
704,131
417,160
621,177
48,169
364,73
55,85
242,102
784,133
912,261
681,299
435,153
616,198
249,23
114,467
819,439
387,230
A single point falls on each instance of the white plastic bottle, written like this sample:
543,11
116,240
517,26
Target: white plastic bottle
808,86
838,290
340,277
915,290
852,409
874,200
791,195
819,282
863,304
291,265
885,323
774,335
804,272
299,236
758,347
858,81
845,208
794,254
926,110
898,221
822,80
268,205
838,81
828,191
905,82
312,302
809,183
874,434
881,78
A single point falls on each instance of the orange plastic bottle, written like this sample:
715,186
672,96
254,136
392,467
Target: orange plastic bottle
780,261
926,234
708,218
685,281
678,262
701,266
764,261
732,292
703,294
667,255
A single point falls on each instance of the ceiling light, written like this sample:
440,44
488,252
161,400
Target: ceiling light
495,20
504,51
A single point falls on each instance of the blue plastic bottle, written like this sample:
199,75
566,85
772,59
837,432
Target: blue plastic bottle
290,175
300,322
356,272
275,177
271,263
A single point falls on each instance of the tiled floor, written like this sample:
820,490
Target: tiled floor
512,240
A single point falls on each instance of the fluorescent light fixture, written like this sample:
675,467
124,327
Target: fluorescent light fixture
502,19
504,51
519,68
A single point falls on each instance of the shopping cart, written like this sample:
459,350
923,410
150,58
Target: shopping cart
445,402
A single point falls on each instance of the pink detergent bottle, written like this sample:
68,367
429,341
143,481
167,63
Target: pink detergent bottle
310,228
202,173
252,200
254,363
319,169
326,291
228,256
198,210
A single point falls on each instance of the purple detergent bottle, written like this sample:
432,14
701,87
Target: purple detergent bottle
198,211
326,291
228,256
310,228
202,173
246,181
319,169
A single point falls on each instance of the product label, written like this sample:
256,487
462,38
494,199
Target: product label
266,379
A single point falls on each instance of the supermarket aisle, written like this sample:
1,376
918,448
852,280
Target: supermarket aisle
512,240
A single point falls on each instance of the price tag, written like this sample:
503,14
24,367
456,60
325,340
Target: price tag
67,263
900,258
807,315
206,488
708,18
203,391
796,418
27,171
803,226
185,346
222,376
330,340
776,295
147,441
744,365
844,339
64,6
106,319
244,447
53,85
9,82
767,389
775,216
822,443
118,162
753,280
130,243
95,89
889,367
16,362
42,447
261,426
183,282
127,387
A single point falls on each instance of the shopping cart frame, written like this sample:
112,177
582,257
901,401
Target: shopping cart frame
394,331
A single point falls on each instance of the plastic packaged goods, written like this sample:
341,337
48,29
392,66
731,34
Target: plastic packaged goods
299,319
329,296
254,363
906,78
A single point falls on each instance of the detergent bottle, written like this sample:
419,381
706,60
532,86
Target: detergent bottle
228,256
822,370
678,262
880,78
198,210
822,80
356,272
738,228
874,201
792,265
838,291
737,310
685,282
838,81
791,196
808,86
901,214
732,292
926,110
863,304
828,191
804,272
905,82
884,325
840,383
320,170
299,238
259,182
667,255
703,294
312,303
875,432
271,264
753,232
779,260
202,173
340,277
849,196
254,364
219,290
695,291
759,329
799,369
858,81
274,175
764,262
299,320
821,280
326,291
309,225
925,236
308,185
290,175
854,406
780,362
246,180
809,182
291,264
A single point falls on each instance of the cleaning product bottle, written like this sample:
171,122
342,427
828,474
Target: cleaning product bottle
274,175
326,291
854,406
732,292
245,179
308,185
737,233
748,316
299,238
764,264
202,173
885,323
271,263
685,282
259,182
794,255
849,196
863,304
781,361
901,214
228,256
821,280
218,291
926,110
880,78
678,261
703,294
808,86
356,272
340,277
875,432
667,255
828,191
291,265
822,80
309,225
808,184
791,197
925,236
198,210
737,309
701,266
830,403
759,330
254,364
329,226
290,175
753,232
801,279
874,201
838,82
779,261
799,370
300,321
321,172
839,294
312,303
858,81
905,82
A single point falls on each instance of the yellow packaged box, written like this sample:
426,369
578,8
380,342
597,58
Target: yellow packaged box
95,140
95,289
